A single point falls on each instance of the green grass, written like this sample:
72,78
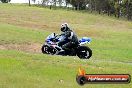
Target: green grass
19,69
23,25
15,34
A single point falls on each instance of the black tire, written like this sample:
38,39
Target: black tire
53,51
45,49
84,52
48,50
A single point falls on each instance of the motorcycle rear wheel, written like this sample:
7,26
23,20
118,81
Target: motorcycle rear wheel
84,52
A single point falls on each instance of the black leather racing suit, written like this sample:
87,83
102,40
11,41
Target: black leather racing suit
70,40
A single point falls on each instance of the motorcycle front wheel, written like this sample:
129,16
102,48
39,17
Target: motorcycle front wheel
45,49
48,50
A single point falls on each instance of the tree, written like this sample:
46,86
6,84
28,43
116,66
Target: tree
34,1
78,4
29,2
5,1
60,2
120,8
128,9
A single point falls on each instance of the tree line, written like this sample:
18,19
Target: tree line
5,1
117,8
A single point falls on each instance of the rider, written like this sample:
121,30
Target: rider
70,39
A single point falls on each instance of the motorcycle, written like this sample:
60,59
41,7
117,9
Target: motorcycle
50,46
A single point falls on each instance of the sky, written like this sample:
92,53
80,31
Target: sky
26,1
23,1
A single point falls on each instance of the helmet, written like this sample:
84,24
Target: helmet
64,27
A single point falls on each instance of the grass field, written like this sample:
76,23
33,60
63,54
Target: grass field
22,33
